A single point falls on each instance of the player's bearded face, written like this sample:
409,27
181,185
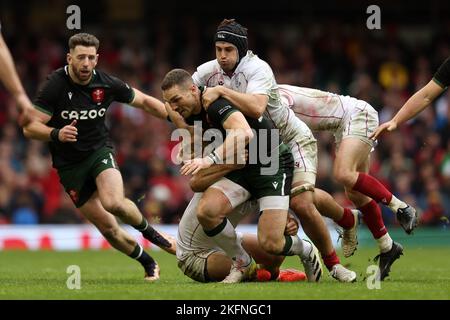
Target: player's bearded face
82,60
226,55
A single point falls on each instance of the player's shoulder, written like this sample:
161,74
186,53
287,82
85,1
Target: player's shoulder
221,106
104,79
252,63
208,68
219,110
59,74
221,102
102,76
55,80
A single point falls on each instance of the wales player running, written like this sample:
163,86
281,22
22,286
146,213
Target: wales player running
70,114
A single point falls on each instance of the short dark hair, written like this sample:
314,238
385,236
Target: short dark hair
83,39
175,77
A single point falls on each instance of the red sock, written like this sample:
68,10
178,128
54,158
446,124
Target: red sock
330,260
372,188
371,213
348,219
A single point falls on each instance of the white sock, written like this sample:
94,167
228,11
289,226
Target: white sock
385,243
299,247
307,247
230,242
396,204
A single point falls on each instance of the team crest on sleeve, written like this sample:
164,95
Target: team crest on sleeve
98,95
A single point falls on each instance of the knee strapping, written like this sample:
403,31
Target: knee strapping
303,188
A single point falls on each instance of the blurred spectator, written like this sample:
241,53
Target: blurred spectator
434,213
65,213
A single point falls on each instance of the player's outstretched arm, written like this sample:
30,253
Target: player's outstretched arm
415,104
9,77
252,105
149,104
37,129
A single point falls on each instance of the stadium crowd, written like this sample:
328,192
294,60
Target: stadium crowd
383,67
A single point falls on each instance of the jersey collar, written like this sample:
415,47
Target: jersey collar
239,65
94,75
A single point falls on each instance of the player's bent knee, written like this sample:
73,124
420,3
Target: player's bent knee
110,234
114,207
206,212
345,177
303,209
271,245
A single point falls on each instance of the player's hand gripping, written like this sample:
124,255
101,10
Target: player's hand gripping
68,133
210,95
389,126
195,165
291,226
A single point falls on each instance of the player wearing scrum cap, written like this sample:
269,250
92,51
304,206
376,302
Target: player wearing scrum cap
268,182
239,76
198,254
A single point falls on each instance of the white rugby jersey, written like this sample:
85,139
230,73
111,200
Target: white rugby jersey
254,76
320,110
191,236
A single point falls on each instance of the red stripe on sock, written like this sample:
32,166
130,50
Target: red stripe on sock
372,188
371,213
330,260
348,219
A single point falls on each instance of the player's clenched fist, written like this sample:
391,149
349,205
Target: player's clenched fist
210,95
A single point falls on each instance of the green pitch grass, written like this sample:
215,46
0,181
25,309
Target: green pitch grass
422,273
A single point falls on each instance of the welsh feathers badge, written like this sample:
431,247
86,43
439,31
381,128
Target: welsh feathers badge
98,95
